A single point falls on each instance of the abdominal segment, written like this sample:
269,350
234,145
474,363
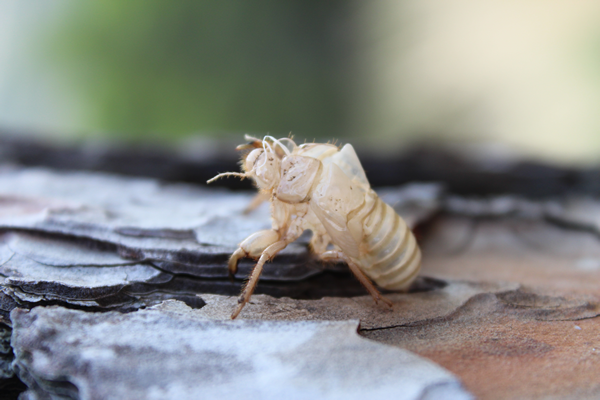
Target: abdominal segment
391,256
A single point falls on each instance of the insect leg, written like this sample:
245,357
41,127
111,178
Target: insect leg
269,253
319,242
333,256
253,246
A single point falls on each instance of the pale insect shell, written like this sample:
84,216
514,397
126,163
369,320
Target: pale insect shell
339,195
298,174
324,189
340,189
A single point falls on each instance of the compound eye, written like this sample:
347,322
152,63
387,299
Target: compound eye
252,158
266,170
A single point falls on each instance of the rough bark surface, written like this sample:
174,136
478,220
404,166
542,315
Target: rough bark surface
160,354
508,299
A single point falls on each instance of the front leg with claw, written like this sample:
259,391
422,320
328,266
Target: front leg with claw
266,255
263,245
253,246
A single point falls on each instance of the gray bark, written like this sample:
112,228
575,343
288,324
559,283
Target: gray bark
117,287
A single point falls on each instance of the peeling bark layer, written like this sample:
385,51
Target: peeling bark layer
508,299
73,354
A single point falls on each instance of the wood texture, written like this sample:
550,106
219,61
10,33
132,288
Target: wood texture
508,300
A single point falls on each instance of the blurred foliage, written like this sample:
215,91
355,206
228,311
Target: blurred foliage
170,68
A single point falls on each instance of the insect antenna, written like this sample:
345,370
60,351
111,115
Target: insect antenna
224,174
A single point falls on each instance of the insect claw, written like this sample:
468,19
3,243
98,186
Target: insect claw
386,301
237,311
234,260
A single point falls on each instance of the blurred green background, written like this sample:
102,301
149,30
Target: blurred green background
154,67
501,77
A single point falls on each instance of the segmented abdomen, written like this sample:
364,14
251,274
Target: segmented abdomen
391,256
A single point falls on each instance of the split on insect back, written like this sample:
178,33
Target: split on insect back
324,189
